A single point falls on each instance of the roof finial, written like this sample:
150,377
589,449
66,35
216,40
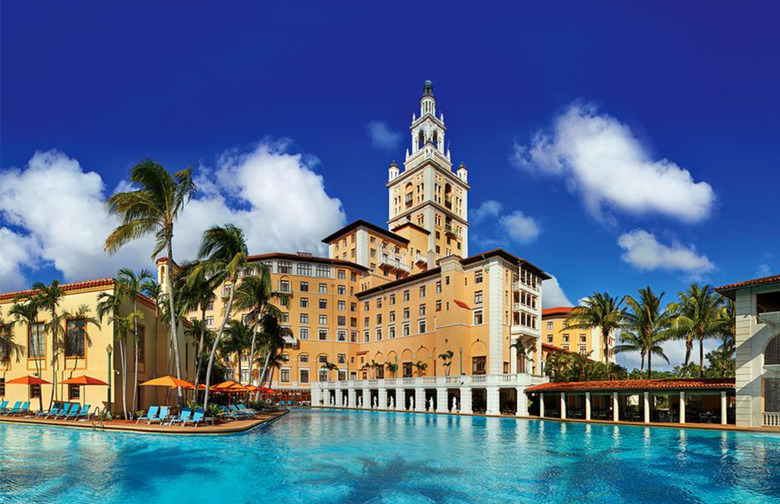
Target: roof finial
428,88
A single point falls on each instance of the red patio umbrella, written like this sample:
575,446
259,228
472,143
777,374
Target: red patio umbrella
29,380
84,381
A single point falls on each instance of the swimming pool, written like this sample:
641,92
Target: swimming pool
363,456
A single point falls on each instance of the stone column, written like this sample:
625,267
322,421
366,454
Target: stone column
419,399
522,402
587,405
465,400
493,400
366,398
343,398
724,409
563,405
682,406
541,404
400,399
615,407
646,401
441,400
351,398
382,398
316,395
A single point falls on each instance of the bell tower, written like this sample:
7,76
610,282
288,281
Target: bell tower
427,193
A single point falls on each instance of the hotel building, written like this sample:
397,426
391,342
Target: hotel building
587,342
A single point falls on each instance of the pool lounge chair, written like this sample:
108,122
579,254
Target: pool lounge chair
161,417
3,406
52,410
244,410
66,412
19,409
8,411
197,417
239,413
83,411
152,413
225,412
183,416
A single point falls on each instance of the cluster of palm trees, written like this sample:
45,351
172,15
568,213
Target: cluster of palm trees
153,206
644,324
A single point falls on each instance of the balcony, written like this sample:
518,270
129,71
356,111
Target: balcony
476,381
409,200
448,202
449,230
394,264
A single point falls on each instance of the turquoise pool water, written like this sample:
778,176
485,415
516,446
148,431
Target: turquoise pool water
356,456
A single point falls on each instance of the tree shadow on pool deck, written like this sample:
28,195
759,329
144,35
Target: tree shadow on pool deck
378,478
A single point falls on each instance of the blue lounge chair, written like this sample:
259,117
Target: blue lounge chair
152,413
9,411
197,416
19,409
245,411
161,417
239,413
83,411
183,416
225,412
52,410
3,406
66,412
62,411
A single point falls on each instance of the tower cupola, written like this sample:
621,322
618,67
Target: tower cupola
463,173
393,171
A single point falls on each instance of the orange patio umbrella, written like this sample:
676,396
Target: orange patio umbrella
167,381
27,380
84,380
225,385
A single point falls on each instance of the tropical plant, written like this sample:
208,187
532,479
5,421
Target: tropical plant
420,366
238,340
110,306
645,326
223,256
129,287
601,311
83,313
522,351
8,347
254,296
722,363
727,327
271,340
695,317
446,358
391,368
25,309
48,298
329,366
153,208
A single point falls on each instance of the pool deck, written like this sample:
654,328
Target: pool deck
233,427
689,425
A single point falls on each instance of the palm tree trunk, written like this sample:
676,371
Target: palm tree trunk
265,368
605,335
701,356
199,360
171,306
688,346
53,357
135,371
649,365
228,309
123,357
252,356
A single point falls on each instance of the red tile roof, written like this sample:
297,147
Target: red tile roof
748,283
66,287
655,384
558,310
553,348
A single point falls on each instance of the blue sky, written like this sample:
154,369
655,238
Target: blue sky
616,145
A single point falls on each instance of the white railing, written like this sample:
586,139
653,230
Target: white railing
452,379
772,419
495,380
429,379
408,381
479,378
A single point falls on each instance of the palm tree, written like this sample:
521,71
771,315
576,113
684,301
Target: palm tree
391,368
522,352
272,340
25,308
421,367
224,257
695,317
446,357
129,286
48,298
153,209
8,346
727,329
329,366
254,295
632,342
197,292
238,340
601,311
645,321
84,314
110,306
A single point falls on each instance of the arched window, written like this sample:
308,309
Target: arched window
420,140
436,138
772,352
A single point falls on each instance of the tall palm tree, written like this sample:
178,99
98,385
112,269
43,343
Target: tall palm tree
522,351
8,346
601,311
110,306
196,290
237,341
695,317
48,299
25,309
223,255
631,342
421,367
272,340
727,329
254,296
446,357
645,320
130,286
153,209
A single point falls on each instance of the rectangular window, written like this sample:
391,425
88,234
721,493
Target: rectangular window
342,274
438,287
478,365
284,267
304,302
323,320
342,306
421,325
422,291
407,369
341,358
477,297
323,334
583,339
75,337
549,326
2,387
366,306
477,317
74,392
392,316
341,335
392,299
342,290
391,332
304,318
304,375
422,310
304,333
323,375
365,337
284,286
379,334
379,302
406,329
406,313
353,337
406,295
36,341
378,318
304,359
323,271
227,289
284,375
323,288
478,277
549,338
342,320
209,321
353,307
303,269
323,304
566,338
304,286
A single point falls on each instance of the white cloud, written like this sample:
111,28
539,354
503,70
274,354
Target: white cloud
58,208
674,351
520,227
16,251
382,137
553,295
604,162
645,252
489,208
763,270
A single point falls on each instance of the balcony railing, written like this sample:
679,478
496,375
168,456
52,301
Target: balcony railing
772,419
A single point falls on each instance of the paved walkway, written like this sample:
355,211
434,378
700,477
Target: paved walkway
126,426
